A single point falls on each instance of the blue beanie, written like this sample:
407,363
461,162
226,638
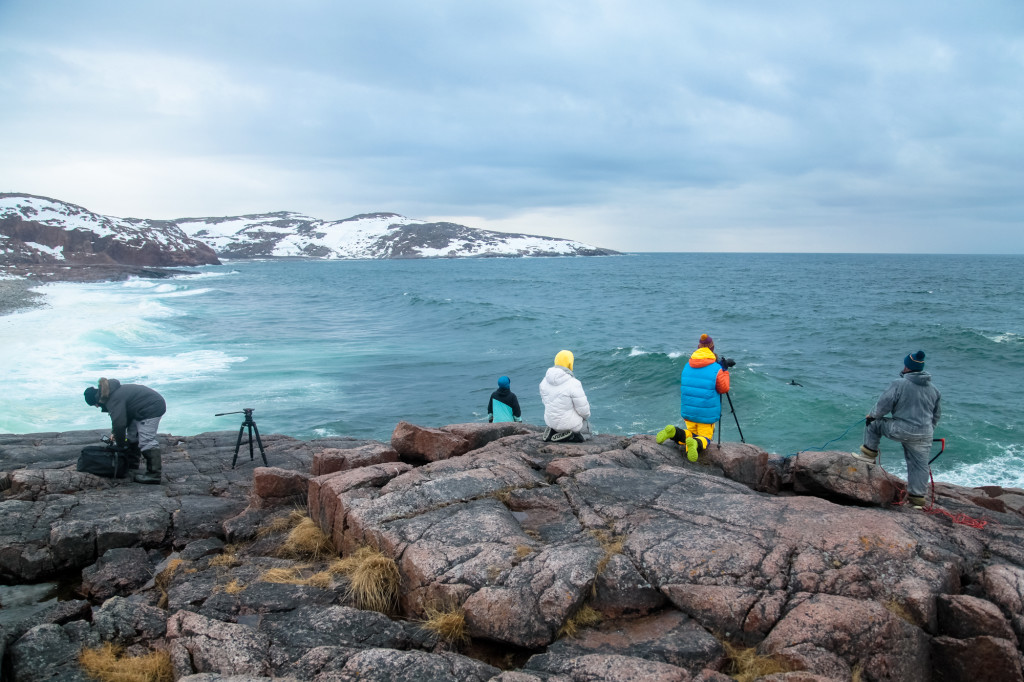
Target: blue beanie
914,362
503,382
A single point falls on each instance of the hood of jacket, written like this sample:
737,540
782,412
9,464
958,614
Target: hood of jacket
558,375
702,357
920,378
107,386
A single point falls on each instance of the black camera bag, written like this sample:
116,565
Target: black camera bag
102,460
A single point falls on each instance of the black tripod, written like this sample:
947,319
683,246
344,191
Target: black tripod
247,422
733,416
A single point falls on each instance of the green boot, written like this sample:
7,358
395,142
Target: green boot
691,449
154,467
666,433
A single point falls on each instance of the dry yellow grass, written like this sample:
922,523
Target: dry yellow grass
307,541
225,560
746,665
523,551
162,580
294,575
897,608
282,523
504,496
611,543
855,674
373,579
108,665
234,587
447,622
586,617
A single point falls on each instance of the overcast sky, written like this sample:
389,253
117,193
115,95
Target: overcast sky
638,125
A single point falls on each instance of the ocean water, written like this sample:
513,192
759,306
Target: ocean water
323,348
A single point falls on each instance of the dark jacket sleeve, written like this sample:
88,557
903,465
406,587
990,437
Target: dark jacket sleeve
516,412
490,408
118,419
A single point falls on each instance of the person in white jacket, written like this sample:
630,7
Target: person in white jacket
566,409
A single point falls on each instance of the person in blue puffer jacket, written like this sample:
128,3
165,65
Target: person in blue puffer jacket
702,381
503,406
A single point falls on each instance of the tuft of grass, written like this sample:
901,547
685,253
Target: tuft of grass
746,665
307,541
856,673
279,524
227,559
107,664
523,551
373,579
586,617
162,580
447,622
611,543
898,608
234,587
504,495
294,575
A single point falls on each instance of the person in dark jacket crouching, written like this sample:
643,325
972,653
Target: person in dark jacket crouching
135,412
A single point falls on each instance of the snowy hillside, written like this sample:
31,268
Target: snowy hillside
282,234
374,235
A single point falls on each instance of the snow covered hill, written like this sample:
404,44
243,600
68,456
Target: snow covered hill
42,230
373,235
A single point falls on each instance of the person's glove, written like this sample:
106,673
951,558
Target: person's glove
868,419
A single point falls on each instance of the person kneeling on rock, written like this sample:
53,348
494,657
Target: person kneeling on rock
703,380
135,412
566,410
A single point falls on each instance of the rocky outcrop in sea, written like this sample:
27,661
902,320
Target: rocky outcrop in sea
511,559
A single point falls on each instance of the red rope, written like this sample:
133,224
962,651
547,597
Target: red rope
935,510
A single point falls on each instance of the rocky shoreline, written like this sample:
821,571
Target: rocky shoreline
509,559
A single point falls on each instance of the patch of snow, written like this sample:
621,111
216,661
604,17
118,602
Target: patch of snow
57,252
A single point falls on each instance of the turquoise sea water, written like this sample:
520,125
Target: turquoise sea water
352,347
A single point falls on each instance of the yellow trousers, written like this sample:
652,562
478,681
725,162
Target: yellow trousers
702,433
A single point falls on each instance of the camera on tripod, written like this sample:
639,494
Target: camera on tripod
247,423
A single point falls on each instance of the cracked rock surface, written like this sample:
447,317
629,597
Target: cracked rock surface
606,560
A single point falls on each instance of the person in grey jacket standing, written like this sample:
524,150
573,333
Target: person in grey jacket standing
135,412
916,406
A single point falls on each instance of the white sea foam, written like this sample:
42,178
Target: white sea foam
1007,337
85,331
1005,469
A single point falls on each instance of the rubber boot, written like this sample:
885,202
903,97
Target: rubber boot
666,433
154,467
691,449
133,455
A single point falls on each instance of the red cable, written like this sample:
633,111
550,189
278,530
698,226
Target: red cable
961,518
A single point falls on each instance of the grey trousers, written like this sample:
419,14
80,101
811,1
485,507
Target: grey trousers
144,432
917,451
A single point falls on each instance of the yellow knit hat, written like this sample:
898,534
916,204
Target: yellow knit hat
564,359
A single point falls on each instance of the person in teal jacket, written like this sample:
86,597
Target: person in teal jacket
703,380
503,406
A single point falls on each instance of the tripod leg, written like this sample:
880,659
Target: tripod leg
734,416
238,444
251,456
260,443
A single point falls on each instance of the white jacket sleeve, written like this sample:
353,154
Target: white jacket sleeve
580,402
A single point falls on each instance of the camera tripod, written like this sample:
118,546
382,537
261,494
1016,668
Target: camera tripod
247,422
